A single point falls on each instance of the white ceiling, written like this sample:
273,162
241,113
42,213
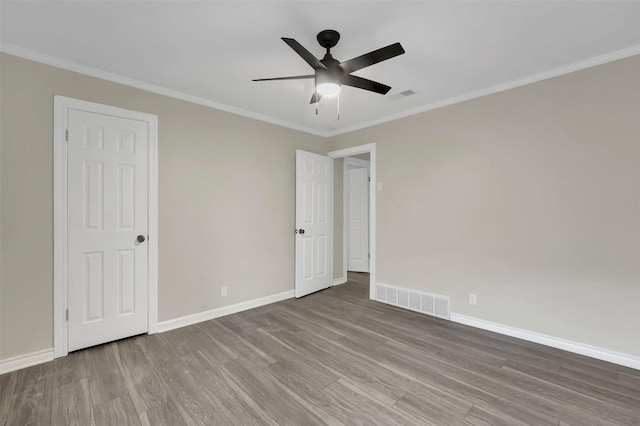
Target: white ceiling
208,52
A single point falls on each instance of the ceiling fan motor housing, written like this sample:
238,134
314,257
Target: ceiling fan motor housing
330,75
333,72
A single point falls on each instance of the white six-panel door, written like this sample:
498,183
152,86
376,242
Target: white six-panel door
357,218
107,184
314,212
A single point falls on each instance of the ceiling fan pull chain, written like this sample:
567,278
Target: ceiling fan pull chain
338,106
317,101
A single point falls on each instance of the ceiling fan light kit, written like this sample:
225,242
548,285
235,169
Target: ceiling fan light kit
328,89
330,74
328,82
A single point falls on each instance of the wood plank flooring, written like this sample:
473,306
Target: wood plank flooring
334,358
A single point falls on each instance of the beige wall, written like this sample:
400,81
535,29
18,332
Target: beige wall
529,198
226,200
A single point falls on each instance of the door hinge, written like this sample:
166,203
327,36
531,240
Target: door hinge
66,135
369,255
66,315
369,178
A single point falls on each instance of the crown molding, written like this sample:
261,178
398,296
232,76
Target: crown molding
126,81
116,78
533,78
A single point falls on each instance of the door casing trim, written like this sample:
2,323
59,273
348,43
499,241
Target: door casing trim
363,149
61,107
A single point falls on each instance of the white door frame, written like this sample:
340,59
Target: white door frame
61,107
355,150
347,164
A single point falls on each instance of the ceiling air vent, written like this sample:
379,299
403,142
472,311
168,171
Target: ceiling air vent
401,95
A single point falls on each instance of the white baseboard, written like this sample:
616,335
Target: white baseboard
619,358
338,281
24,361
46,355
631,361
220,312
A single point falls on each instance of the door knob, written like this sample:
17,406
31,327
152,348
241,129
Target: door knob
140,238
301,231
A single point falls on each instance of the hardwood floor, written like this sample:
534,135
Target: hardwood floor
333,357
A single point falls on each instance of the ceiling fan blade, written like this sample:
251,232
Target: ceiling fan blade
315,98
305,54
371,58
295,77
363,83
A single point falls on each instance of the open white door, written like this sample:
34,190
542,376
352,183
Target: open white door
314,212
357,205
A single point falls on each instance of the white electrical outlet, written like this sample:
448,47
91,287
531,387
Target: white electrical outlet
473,299
379,186
223,291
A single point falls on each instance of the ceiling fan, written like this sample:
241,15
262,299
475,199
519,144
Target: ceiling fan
330,73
